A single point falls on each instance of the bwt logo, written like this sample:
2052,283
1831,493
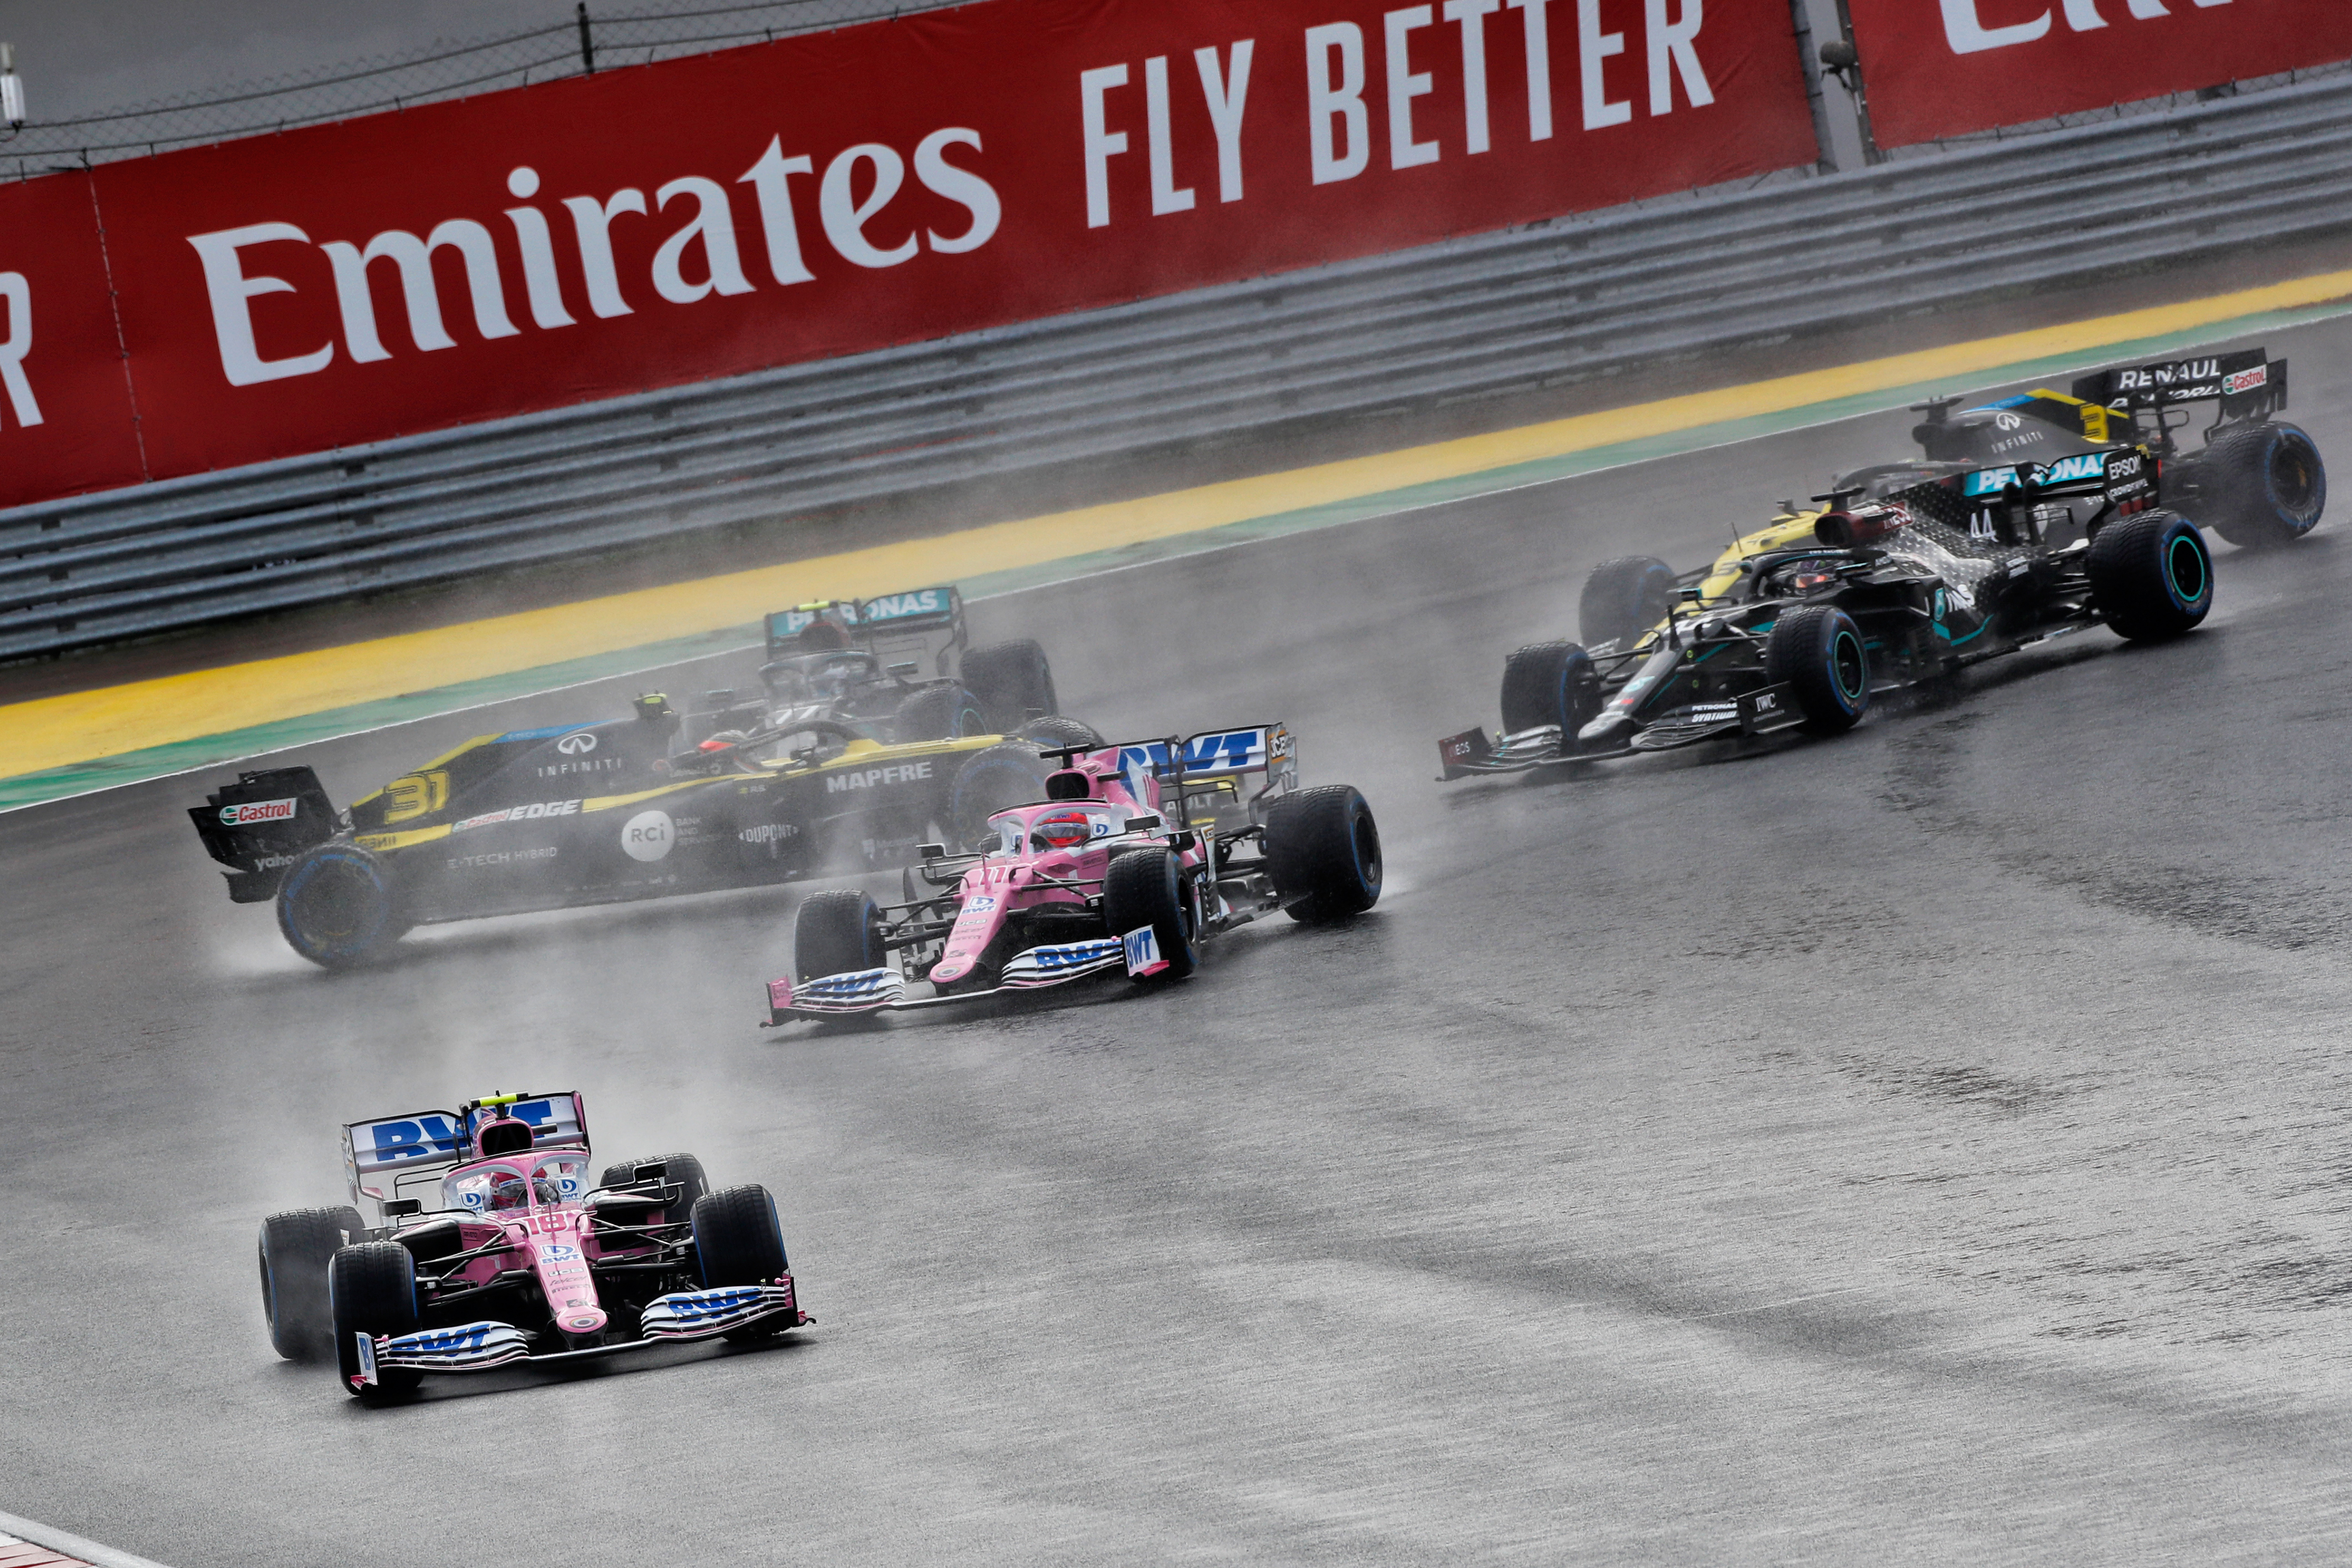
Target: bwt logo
257,811
1234,752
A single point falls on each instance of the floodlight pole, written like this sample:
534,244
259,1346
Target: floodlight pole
587,45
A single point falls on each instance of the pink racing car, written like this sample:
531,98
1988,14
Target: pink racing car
520,1258
1139,854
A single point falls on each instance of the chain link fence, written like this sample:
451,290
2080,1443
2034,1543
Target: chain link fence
588,40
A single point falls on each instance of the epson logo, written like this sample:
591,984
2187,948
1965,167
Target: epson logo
255,811
867,778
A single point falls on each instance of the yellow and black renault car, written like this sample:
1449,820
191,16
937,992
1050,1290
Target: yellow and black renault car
588,814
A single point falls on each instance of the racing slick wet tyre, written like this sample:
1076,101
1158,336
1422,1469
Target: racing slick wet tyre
1007,775
1549,683
1623,598
2261,484
372,1290
837,931
1013,681
2151,576
737,1241
938,713
338,905
682,1171
1058,731
296,1248
1323,853
1818,652
1148,888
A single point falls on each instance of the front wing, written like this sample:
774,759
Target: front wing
480,1347
1759,712
885,990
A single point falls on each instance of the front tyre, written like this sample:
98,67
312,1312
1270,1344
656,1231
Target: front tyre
1058,731
738,1241
2261,484
295,1249
1323,853
683,1171
1148,888
1550,683
938,713
372,1290
1006,774
2151,576
837,931
339,906
1817,651
1624,599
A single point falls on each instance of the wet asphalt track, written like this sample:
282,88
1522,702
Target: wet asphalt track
1928,1146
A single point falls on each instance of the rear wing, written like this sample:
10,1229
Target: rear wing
1213,757
914,612
2249,384
256,827
398,1156
2008,506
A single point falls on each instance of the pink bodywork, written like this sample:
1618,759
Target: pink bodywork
1025,878
556,1239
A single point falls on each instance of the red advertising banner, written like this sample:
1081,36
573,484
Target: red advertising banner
1945,68
828,193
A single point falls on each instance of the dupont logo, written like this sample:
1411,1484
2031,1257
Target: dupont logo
2246,380
254,811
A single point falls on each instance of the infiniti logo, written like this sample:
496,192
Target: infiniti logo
577,745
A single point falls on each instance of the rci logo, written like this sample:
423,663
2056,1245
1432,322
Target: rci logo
577,744
648,836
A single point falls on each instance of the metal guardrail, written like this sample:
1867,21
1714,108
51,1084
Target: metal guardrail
1473,318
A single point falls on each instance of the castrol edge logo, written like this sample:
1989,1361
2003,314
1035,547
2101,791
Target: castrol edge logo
255,811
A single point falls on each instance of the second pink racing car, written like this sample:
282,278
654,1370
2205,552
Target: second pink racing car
1138,853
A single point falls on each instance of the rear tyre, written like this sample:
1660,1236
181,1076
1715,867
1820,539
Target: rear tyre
1013,681
684,1171
1006,774
1058,731
837,931
1549,683
1148,888
2151,576
738,1241
938,713
339,906
372,1290
1624,599
2261,484
1323,850
296,1248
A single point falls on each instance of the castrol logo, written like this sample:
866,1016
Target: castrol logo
254,811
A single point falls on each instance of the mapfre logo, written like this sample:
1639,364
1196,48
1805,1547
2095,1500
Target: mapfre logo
255,811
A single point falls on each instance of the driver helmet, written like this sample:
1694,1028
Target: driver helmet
1062,830
510,1191
1811,577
